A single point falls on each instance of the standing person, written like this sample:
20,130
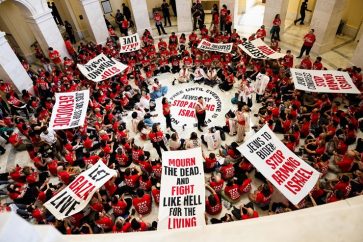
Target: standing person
215,17
118,19
127,13
70,32
275,30
156,137
309,40
260,85
261,33
166,13
173,6
55,14
159,23
303,8
55,57
229,22
241,122
200,112
124,26
166,113
223,16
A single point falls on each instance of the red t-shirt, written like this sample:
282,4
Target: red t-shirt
142,205
156,136
213,210
119,208
309,39
232,192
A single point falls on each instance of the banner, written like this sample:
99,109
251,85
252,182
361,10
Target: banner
69,110
101,67
259,50
323,81
79,192
287,172
130,43
182,193
208,46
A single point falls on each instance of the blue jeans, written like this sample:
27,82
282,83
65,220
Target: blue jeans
159,93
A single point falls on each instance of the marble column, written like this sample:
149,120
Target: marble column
232,5
46,32
11,70
141,15
273,7
93,14
325,21
184,19
357,58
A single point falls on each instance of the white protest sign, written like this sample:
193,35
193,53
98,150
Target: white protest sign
101,67
259,50
292,176
208,46
325,81
182,193
69,110
130,43
75,197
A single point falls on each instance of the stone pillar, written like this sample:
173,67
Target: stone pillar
93,14
11,70
232,5
46,32
273,7
357,58
325,21
141,15
184,19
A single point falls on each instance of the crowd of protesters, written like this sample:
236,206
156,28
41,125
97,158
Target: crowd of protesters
320,128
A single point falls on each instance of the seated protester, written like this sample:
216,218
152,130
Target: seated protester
262,196
343,185
131,178
155,192
343,163
213,205
274,44
175,143
212,78
188,61
230,153
175,65
315,147
162,45
227,84
244,212
227,170
121,207
244,184
210,163
306,63
164,65
199,75
104,221
192,39
322,164
317,64
212,139
230,192
15,104
192,142
134,226
184,75
173,39
121,158
216,182
142,202
337,195
158,90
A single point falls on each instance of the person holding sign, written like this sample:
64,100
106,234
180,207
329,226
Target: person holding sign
200,113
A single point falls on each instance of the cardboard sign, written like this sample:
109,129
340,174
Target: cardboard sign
130,43
182,193
259,50
208,46
69,110
323,81
292,176
101,68
75,197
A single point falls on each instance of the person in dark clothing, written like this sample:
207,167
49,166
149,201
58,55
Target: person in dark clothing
303,8
118,19
173,6
166,13
56,15
70,32
127,13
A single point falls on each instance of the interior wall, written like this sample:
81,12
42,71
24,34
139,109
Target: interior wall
12,21
352,17
293,9
77,11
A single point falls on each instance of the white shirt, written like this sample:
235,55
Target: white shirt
213,140
50,137
261,83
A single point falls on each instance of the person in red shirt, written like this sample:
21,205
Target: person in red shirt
288,59
155,192
103,220
275,30
166,113
210,163
134,226
56,58
213,205
229,22
309,40
306,63
231,192
223,16
156,137
142,202
120,207
124,27
317,64
159,23
261,32
343,163
262,196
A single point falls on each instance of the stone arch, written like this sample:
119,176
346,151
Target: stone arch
33,8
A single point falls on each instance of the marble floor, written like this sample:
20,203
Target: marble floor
247,23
